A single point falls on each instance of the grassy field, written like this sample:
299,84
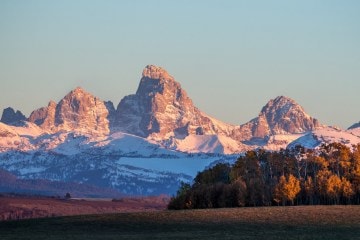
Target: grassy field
24,207
302,222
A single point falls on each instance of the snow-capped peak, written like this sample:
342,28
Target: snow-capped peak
281,115
78,111
161,109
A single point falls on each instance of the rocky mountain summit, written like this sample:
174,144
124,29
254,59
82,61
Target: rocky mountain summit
161,109
281,115
10,117
77,111
44,117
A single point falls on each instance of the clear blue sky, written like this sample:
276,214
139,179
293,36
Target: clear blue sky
230,56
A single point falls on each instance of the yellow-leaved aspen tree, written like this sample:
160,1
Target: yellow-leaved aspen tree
287,189
347,189
333,188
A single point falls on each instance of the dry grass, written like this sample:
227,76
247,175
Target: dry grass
34,207
303,222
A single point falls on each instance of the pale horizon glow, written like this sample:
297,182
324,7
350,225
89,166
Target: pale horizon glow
231,57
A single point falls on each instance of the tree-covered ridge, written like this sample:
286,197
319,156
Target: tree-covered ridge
328,175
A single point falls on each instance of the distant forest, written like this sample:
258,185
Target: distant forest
298,176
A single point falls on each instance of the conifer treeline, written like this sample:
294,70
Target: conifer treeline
328,175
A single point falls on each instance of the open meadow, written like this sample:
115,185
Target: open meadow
300,222
25,207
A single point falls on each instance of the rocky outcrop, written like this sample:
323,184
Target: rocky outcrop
161,109
44,117
281,115
355,125
10,117
112,112
77,111
81,111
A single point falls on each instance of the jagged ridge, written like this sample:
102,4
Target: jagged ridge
77,111
11,117
281,115
161,110
77,139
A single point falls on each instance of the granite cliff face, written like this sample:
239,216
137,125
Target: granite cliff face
161,109
44,117
111,112
281,115
78,111
81,110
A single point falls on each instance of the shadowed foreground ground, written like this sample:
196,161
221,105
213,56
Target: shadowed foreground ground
304,222
22,207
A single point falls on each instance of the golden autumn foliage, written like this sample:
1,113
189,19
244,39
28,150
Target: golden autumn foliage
347,188
333,187
287,189
327,175
321,181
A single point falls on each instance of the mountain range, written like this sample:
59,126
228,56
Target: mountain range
151,141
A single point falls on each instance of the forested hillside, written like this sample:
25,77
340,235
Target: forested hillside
328,175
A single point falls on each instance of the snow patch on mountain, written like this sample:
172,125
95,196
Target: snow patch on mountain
281,141
128,143
354,131
129,163
207,144
326,135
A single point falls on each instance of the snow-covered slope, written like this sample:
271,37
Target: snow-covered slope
281,141
354,131
206,144
327,135
130,164
9,183
18,138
